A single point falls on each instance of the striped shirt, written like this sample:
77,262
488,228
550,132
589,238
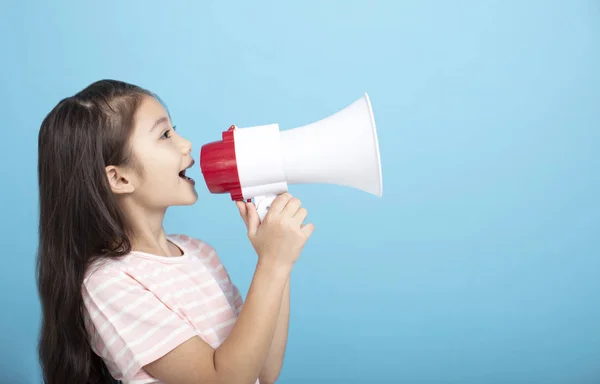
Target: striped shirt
141,306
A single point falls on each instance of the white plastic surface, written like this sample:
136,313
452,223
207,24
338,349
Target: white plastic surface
259,160
263,203
264,189
341,149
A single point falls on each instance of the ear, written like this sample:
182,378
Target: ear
119,181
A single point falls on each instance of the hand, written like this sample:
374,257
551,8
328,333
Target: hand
280,238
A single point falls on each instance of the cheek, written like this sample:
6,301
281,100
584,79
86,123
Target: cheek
160,163
163,164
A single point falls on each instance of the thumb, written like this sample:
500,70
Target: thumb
253,220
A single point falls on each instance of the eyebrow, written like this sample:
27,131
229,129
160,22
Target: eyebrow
159,122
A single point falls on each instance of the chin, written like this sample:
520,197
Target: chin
191,201
184,201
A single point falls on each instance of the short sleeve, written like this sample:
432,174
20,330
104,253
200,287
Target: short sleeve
129,326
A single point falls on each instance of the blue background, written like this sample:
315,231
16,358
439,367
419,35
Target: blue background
481,262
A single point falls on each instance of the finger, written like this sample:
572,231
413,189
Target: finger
300,215
243,211
308,229
291,207
253,219
241,206
279,203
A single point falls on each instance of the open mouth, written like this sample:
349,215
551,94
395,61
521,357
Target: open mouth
183,175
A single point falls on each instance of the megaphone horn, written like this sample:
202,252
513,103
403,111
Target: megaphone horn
260,162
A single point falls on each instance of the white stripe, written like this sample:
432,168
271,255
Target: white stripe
147,380
201,254
124,311
176,279
210,255
145,337
122,293
182,292
131,326
225,324
158,271
156,346
212,313
99,288
193,288
206,300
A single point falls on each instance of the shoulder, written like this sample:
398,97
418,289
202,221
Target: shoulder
106,273
104,266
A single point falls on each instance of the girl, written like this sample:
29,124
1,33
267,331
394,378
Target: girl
121,300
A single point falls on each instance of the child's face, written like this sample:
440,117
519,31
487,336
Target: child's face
162,154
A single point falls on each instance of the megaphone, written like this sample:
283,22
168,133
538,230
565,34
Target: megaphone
259,162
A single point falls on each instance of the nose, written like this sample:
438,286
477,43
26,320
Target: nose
186,145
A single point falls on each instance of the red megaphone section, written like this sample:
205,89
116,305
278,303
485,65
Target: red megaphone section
219,166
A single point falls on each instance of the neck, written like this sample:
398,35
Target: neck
146,231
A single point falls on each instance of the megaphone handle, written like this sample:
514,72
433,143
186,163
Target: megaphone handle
263,203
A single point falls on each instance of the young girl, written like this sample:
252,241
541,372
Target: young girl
122,300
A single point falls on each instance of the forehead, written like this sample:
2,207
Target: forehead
148,113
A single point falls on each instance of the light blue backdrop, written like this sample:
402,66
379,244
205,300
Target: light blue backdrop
481,263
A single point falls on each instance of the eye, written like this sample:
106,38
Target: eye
166,134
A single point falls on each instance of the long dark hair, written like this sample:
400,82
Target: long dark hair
79,218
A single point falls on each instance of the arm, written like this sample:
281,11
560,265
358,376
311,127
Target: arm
274,361
242,355
278,242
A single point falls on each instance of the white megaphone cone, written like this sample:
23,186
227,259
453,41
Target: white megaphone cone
260,162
